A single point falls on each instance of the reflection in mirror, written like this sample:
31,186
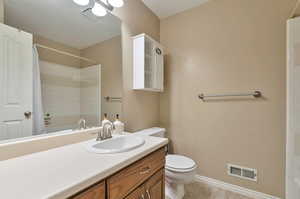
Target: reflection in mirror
61,72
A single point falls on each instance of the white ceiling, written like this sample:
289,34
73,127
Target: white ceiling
166,8
61,21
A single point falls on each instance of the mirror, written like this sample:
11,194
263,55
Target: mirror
71,68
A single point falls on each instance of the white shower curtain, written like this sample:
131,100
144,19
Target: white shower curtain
38,113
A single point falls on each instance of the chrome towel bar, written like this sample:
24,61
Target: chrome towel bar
255,94
112,98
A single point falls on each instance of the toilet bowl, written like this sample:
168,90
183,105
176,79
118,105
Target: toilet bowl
179,170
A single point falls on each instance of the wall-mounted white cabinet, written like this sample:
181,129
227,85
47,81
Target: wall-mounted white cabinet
148,64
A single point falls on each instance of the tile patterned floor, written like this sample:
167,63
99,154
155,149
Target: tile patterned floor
203,191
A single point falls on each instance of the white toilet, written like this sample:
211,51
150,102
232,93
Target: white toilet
180,170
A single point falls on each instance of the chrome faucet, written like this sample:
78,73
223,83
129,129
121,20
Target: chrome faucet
106,132
82,124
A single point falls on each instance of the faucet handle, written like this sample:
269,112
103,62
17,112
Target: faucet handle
100,135
82,123
107,130
81,120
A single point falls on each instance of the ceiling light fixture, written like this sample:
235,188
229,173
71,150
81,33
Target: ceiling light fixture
101,7
82,2
99,10
116,3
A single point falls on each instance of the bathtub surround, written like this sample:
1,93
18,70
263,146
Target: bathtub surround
90,94
81,90
228,46
59,80
107,52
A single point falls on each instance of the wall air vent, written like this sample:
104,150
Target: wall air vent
242,172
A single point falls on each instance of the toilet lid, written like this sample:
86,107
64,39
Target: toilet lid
179,162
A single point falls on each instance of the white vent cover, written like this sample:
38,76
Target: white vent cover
242,172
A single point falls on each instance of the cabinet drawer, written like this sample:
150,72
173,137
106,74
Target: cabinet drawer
95,192
125,181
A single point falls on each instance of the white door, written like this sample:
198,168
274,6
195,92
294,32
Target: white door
15,83
293,111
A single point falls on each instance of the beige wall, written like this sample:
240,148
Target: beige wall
109,55
1,11
50,56
228,46
140,109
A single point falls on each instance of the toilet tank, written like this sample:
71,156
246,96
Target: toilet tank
156,132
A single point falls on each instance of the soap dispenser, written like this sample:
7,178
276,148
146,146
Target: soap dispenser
105,120
119,126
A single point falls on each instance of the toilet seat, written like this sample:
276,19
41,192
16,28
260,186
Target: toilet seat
179,163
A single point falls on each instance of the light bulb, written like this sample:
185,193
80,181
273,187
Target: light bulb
82,2
99,10
116,3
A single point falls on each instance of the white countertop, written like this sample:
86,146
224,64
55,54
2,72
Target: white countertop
61,172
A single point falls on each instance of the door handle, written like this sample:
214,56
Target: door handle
27,114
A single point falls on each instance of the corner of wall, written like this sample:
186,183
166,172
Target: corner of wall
140,109
1,11
296,10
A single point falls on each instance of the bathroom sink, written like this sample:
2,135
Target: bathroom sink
115,145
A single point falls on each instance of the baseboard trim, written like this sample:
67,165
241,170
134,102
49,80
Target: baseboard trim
234,188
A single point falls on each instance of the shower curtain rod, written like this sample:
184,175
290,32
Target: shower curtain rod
66,53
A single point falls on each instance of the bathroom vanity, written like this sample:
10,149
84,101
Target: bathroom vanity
142,179
74,172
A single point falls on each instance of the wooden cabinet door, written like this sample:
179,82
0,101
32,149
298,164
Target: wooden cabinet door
127,180
155,186
138,193
95,192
